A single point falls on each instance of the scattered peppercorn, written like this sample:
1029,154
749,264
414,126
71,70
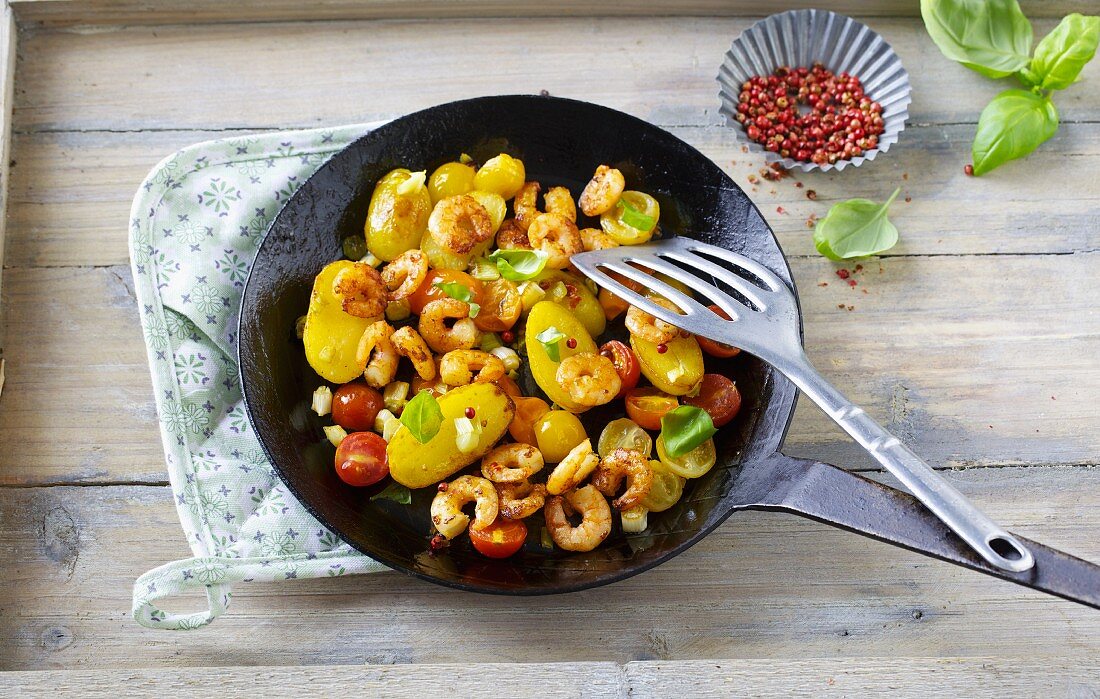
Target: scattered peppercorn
662,348
774,172
811,221
798,184
571,343
823,283
442,487
852,282
780,210
544,93
753,179
841,121
858,268
811,195
470,412
437,544
508,337
968,169
908,198
843,273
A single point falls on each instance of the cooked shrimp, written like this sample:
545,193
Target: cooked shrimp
649,327
409,344
459,223
458,366
526,204
405,274
520,500
511,463
361,291
603,191
560,201
596,239
620,464
574,468
595,519
557,236
376,346
589,378
512,237
447,514
433,325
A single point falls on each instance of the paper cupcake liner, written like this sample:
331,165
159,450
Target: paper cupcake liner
801,38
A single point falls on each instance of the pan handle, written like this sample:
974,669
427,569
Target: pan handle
834,496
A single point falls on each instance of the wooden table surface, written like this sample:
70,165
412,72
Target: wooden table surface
977,339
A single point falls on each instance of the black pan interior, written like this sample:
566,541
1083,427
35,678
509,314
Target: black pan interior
561,142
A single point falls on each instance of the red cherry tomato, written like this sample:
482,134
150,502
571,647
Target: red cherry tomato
646,406
429,292
500,539
355,405
626,364
361,459
719,397
717,349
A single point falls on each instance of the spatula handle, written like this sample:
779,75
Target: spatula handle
998,547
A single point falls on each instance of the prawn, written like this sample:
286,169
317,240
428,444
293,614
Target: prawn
433,325
520,500
596,239
573,469
649,327
512,237
405,274
459,223
557,236
589,378
375,345
458,366
560,201
603,191
595,519
361,291
512,463
526,204
408,343
447,514
619,464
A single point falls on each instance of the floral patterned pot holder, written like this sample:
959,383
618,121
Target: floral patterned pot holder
194,228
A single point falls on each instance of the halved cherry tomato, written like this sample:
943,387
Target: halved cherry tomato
361,459
355,405
714,348
428,291
646,406
719,397
529,412
501,306
500,539
626,364
509,386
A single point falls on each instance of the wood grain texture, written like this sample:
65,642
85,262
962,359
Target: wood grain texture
761,585
8,34
937,677
290,74
939,348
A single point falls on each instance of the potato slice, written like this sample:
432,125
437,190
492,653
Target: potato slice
675,371
331,336
417,465
543,315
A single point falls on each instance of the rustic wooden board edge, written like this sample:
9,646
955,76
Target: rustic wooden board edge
8,37
948,676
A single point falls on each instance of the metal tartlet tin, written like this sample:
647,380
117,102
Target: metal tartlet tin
841,44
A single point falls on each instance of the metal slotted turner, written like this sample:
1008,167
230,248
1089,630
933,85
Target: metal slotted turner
763,321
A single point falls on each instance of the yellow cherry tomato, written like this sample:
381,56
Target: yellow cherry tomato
450,179
622,232
503,175
693,464
624,433
666,490
557,432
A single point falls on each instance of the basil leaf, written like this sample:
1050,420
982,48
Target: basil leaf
685,428
856,228
519,265
1062,54
550,339
992,37
422,416
635,218
396,492
461,293
1010,127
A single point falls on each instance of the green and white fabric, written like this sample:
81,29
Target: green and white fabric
194,228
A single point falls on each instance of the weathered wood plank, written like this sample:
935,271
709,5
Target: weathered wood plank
973,360
282,75
8,35
936,677
762,585
71,193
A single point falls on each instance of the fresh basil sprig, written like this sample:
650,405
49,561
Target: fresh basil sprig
856,228
461,293
684,428
422,416
993,37
519,265
396,492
